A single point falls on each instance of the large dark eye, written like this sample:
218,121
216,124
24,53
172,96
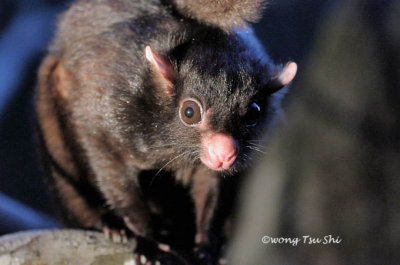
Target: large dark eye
252,115
190,112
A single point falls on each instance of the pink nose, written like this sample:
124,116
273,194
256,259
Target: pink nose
219,151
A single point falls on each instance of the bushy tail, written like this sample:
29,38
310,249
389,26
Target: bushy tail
225,14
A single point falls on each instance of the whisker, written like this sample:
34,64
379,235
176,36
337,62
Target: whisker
255,148
256,145
246,157
161,146
166,164
256,141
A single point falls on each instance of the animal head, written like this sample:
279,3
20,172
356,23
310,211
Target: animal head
223,88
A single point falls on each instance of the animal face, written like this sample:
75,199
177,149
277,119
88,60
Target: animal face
223,101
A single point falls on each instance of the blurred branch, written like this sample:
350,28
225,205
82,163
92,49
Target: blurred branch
335,169
59,247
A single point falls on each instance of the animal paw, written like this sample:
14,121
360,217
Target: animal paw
142,260
149,252
116,235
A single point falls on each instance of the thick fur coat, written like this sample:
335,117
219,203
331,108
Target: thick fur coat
111,107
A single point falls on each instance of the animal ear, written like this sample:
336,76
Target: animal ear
283,78
54,79
162,69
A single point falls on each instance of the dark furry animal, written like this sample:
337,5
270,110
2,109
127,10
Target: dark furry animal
131,86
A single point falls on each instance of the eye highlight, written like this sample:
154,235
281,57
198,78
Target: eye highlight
252,115
190,112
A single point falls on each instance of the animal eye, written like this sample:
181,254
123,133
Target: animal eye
252,115
190,112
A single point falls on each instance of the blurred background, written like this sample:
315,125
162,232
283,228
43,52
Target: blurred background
333,170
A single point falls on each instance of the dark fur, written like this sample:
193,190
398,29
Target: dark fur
104,118
225,14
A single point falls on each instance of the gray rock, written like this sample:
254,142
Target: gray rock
62,247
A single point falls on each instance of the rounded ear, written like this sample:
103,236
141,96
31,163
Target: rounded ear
54,78
46,69
283,78
164,73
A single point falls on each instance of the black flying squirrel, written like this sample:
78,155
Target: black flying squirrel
128,86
